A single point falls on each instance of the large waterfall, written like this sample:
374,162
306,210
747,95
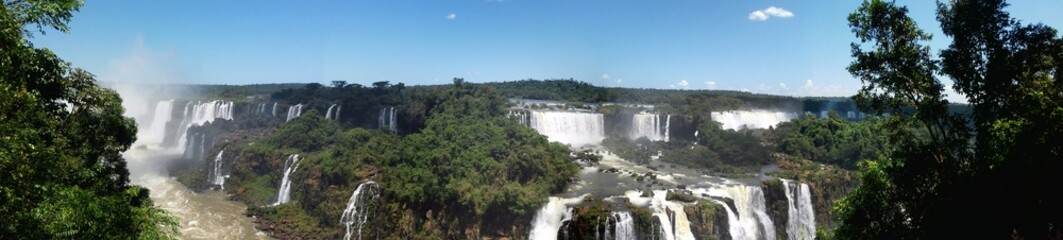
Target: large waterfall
200,113
216,177
550,217
650,126
387,119
752,119
575,128
333,112
294,112
802,221
356,214
157,131
284,191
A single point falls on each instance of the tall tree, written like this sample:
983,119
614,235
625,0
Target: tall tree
1009,72
62,138
935,183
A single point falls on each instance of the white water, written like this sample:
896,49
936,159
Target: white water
387,119
802,221
356,214
217,178
274,111
200,216
521,116
674,226
284,191
751,220
574,128
650,126
330,115
550,217
752,119
198,114
157,132
294,112
625,226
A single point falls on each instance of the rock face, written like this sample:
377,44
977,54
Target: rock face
708,221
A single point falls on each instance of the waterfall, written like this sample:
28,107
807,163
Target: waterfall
201,113
575,128
748,219
387,119
802,221
357,213
284,192
157,132
216,177
549,219
650,126
521,116
671,217
294,112
752,119
625,226
328,114
274,112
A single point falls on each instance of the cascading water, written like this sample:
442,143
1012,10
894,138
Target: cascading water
284,192
550,217
752,119
274,111
328,114
357,212
294,112
673,220
387,119
749,218
575,128
198,114
624,228
802,221
216,177
521,116
650,126
157,132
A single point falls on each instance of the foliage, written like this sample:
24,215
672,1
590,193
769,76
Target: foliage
831,140
63,135
923,188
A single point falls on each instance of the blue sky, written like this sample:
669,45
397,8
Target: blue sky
781,47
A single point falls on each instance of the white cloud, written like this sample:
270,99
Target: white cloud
772,11
683,84
605,76
758,16
782,85
778,12
619,81
710,84
451,16
808,85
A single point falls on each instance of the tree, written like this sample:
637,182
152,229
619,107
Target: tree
1010,73
934,181
63,135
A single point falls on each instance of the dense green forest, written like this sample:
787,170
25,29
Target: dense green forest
62,137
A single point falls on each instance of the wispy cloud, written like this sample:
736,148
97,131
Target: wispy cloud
767,13
710,84
682,84
451,16
605,76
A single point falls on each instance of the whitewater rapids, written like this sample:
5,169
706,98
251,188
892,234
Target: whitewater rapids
202,216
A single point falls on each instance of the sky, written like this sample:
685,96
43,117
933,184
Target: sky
786,47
